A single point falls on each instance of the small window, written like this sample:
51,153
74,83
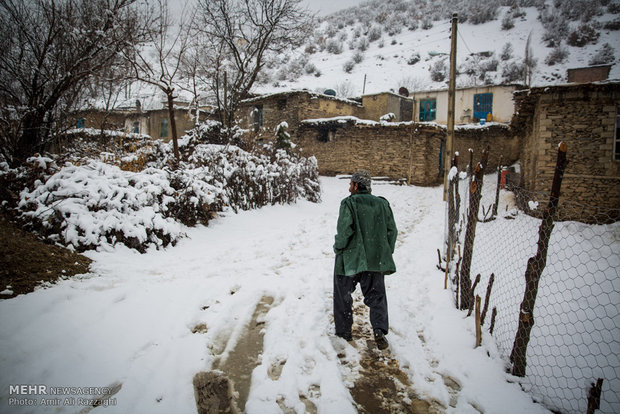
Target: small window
80,123
617,137
281,104
164,128
428,110
483,105
136,127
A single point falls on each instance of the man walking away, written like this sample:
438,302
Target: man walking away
365,240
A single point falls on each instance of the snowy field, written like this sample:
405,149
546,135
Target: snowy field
130,321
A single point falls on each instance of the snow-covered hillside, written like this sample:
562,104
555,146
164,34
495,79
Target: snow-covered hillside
393,44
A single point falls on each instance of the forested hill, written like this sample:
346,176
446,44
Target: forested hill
383,45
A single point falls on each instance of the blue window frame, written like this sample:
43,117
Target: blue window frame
136,127
79,123
428,110
483,105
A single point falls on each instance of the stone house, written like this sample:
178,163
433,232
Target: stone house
379,104
132,119
586,117
490,102
261,115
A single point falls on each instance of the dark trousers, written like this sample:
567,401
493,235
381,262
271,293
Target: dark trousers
373,289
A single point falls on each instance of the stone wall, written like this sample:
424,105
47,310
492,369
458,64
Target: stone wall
396,150
583,116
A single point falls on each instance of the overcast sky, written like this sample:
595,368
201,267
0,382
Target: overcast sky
324,7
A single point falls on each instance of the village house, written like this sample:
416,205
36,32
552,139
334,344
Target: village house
586,117
131,118
487,103
261,115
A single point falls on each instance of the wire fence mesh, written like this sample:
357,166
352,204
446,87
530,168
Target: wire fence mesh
575,324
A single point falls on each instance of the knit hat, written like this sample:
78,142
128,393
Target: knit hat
362,177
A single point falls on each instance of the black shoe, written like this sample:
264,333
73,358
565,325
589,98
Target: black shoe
380,340
346,336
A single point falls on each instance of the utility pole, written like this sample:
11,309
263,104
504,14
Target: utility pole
451,98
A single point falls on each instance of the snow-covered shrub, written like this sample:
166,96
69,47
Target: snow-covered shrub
348,66
413,59
310,68
438,71
427,24
358,57
557,55
604,55
508,22
556,30
481,12
374,33
334,46
363,44
612,24
506,53
512,72
583,35
88,202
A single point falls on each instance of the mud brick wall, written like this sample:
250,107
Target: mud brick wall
396,150
583,116
497,137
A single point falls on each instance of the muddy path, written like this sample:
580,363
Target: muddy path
376,382
381,386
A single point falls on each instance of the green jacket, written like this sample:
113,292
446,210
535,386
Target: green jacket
366,235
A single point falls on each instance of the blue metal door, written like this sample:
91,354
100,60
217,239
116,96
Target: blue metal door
483,105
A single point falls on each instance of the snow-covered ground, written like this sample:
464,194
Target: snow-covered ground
130,321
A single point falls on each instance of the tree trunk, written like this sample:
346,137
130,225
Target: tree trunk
535,267
475,193
173,124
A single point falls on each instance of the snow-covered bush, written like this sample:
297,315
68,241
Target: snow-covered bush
508,22
438,71
506,53
334,46
358,57
557,55
87,202
512,72
348,66
413,59
603,56
583,35
374,33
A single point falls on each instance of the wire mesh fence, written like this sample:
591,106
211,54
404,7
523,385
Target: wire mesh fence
574,329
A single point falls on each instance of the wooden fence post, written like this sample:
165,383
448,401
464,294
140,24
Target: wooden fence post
487,298
478,325
475,193
499,181
594,396
535,267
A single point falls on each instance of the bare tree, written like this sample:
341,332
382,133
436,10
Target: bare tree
239,34
106,89
159,63
50,50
